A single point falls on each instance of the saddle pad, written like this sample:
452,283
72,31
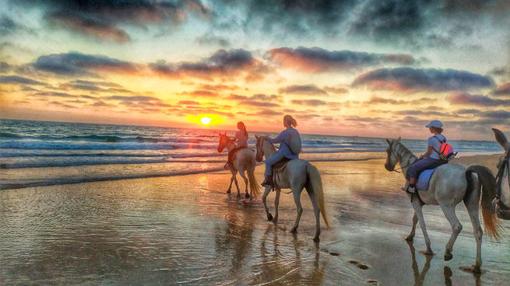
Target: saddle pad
424,179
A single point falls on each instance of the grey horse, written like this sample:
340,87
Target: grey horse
297,175
451,184
502,201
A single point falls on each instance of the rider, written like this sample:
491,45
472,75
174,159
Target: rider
290,147
431,158
241,140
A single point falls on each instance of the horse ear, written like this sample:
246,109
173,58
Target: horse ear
388,140
256,136
501,138
399,138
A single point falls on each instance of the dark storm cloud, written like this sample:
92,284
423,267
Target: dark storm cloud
14,79
496,114
257,100
211,39
477,100
433,80
383,19
74,63
53,94
8,26
309,102
321,60
89,26
503,89
308,89
104,19
94,86
221,63
296,16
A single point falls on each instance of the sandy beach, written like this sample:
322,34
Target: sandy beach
184,230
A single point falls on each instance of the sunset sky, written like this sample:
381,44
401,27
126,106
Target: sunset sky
368,68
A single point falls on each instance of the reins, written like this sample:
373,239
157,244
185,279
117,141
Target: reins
401,168
499,176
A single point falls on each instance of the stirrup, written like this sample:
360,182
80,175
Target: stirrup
267,182
410,190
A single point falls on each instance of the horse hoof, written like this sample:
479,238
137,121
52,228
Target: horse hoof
293,230
247,196
409,238
228,191
275,220
269,217
316,239
475,269
448,256
428,252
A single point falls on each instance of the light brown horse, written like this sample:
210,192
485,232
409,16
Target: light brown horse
244,161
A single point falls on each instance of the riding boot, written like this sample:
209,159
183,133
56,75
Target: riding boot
268,181
411,189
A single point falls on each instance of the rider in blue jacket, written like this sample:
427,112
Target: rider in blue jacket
290,147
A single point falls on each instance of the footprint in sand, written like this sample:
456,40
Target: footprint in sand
334,253
359,264
372,282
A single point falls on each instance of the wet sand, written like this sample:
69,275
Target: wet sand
186,230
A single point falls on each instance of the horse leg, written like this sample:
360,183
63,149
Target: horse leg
264,200
230,185
237,184
473,207
243,175
410,237
418,211
276,204
449,212
299,210
316,211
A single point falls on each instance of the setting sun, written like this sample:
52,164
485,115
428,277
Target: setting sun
205,120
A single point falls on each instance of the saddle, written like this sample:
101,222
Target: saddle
422,184
232,156
278,170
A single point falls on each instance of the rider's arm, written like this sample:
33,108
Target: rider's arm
279,139
428,153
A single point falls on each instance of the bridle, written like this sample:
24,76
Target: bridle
391,156
502,210
222,146
260,148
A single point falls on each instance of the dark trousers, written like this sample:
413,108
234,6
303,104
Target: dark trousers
421,165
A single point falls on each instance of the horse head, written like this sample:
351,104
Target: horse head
502,201
223,142
260,148
391,154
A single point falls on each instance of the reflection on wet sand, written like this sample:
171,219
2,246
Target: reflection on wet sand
185,230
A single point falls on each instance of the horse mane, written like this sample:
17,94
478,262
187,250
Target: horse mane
403,151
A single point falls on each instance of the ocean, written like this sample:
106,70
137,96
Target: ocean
59,153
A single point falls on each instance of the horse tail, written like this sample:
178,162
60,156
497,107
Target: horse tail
254,186
315,180
488,193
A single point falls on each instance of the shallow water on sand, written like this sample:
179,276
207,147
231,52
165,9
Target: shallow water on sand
185,230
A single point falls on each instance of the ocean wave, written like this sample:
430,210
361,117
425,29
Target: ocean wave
87,179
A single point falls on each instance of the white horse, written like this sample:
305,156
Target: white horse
298,174
502,202
450,184
244,161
